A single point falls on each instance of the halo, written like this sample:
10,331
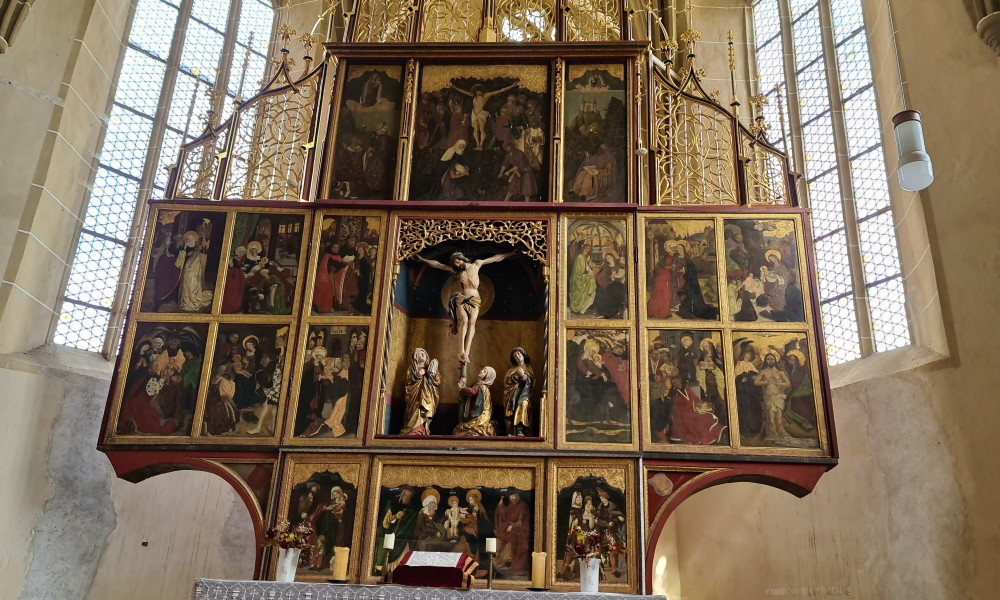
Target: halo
770,253
256,341
474,494
430,492
798,355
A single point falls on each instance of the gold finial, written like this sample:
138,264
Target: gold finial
286,32
732,52
308,40
669,47
701,74
759,101
691,36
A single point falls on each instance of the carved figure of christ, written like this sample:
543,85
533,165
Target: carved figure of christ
463,306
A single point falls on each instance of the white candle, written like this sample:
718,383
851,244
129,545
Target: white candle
538,570
491,545
390,541
341,554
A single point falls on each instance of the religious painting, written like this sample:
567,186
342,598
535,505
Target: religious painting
264,264
776,390
762,270
598,388
331,379
686,377
595,134
346,264
183,263
680,269
455,506
368,133
598,263
327,491
247,378
592,502
482,134
162,379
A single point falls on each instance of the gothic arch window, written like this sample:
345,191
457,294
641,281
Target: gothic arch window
814,66
175,52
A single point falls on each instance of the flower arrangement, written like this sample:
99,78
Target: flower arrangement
587,544
285,536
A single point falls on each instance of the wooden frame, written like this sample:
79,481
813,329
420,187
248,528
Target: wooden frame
562,473
352,469
461,473
211,319
378,393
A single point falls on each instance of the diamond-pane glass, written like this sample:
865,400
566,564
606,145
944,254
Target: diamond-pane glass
819,146
867,178
81,327
255,17
800,6
248,83
814,99
832,266
861,118
98,262
126,141
140,81
847,18
808,40
854,67
890,328
871,189
202,51
877,237
211,12
153,27
840,331
112,202
826,205
770,65
182,115
766,21
94,278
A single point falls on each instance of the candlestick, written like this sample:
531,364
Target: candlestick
491,545
340,557
490,556
538,570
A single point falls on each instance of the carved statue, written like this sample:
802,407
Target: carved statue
475,409
464,306
517,384
423,383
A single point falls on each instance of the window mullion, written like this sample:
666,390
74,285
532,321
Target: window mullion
129,262
792,99
863,315
226,59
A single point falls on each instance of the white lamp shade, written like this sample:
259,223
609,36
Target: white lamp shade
915,170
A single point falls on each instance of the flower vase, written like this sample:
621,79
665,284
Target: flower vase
288,562
590,574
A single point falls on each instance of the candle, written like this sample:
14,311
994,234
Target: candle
340,557
491,545
538,570
390,541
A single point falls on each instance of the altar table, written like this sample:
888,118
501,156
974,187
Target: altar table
216,589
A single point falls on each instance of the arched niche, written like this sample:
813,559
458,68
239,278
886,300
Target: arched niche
251,476
667,485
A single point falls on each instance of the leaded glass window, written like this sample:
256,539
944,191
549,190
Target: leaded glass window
805,49
175,52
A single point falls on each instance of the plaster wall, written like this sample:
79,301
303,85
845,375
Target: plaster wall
911,510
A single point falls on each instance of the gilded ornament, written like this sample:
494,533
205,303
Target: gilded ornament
567,476
417,234
450,476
